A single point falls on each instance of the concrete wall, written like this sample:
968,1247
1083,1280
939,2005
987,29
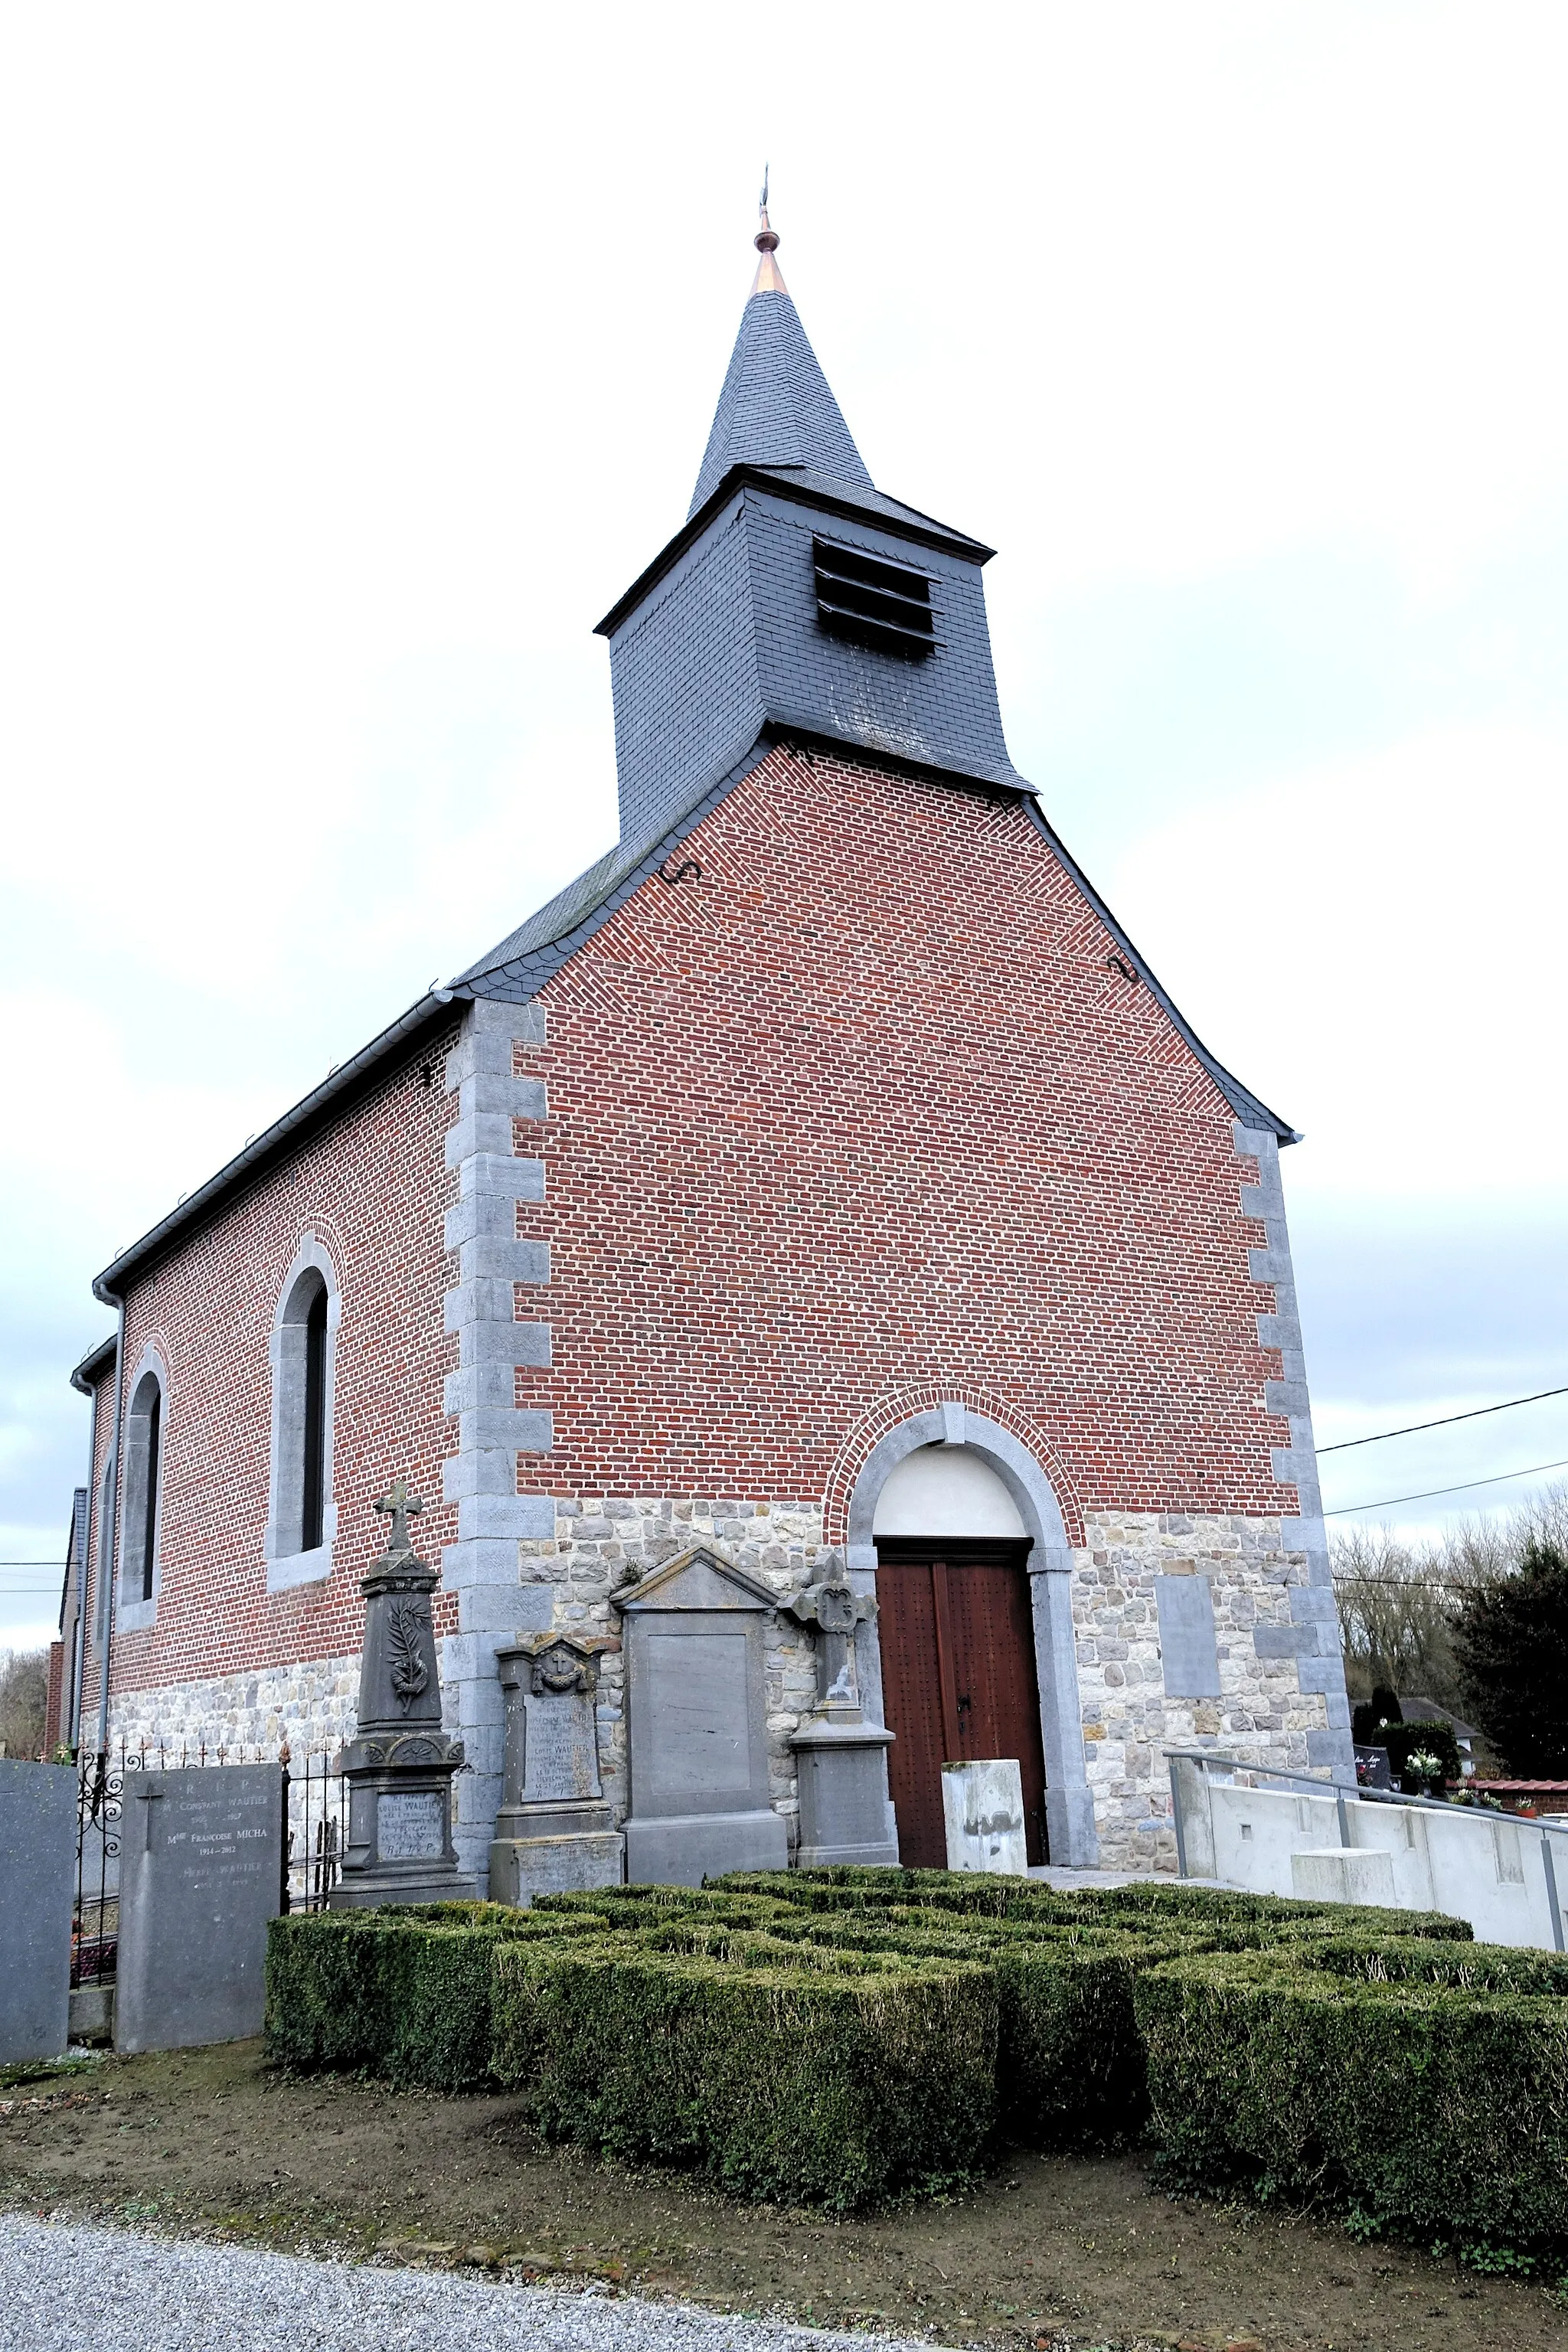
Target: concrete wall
1488,1868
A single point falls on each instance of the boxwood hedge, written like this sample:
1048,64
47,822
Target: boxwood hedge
834,2035
816,2075
1424,2083
399,1992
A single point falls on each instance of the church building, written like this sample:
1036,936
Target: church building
822,1191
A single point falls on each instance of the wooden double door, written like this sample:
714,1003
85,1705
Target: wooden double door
957,1636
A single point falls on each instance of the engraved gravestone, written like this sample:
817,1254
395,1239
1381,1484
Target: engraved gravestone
553,1830
38,1871
696,1719
200,1861
399,1765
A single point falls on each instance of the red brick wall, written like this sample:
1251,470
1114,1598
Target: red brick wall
373,1188
865,1109
860,1119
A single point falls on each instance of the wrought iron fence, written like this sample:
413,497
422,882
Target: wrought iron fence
312,1796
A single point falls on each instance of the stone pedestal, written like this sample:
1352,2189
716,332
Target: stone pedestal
843,1769
841,1760
553,1831
982,1809
398,1847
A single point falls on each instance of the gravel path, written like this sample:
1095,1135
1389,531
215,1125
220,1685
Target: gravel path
69,2289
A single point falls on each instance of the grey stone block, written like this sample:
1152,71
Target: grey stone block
509,1430
1284,1641
1188,1650
495,1257
530,1516
682,1850
37,1879
491,1472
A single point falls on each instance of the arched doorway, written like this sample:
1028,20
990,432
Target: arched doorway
957,1640
1039,1632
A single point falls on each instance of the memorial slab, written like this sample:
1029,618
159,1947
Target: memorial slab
200,1861
554,1831
696,1723
38,1875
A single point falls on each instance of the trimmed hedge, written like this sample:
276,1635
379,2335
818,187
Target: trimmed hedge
1424,2083
403,1991
823,2076
832,2036
1163,1904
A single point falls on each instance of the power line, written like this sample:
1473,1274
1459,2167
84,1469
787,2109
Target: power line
1431,1493
1447,1422
34,1563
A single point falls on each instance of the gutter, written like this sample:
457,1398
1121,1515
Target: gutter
108,1567
96,1360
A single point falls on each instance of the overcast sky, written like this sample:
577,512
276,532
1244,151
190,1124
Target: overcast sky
358,357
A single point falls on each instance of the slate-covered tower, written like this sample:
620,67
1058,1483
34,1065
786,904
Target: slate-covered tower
822,1186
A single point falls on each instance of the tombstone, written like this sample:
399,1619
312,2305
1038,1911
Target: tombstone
37,1879
1372,1767
399,1765
841,1760
554,1831
982,1809
696,1720
201,1865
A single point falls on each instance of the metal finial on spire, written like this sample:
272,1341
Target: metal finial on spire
768,278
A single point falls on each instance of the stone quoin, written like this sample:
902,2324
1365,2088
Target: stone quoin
822,1191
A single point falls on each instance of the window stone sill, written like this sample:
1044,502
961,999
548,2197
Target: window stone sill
136,1616
301,1567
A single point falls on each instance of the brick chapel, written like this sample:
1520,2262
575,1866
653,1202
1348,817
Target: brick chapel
821,1190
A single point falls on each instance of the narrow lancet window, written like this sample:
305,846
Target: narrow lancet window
148,1531
314,1457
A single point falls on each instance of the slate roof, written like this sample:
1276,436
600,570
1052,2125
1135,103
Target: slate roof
776,407
778,422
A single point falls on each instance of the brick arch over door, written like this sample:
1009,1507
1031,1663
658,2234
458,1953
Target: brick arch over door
1069,1808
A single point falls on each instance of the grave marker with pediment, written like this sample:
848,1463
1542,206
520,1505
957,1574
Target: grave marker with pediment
695,1635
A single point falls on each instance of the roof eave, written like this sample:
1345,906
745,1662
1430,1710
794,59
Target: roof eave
925,531
348,1078
94,1366
1249,1107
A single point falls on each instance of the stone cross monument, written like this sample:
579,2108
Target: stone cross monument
842,1759
399,1765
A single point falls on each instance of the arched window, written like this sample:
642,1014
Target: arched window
313,1446
142,1505
302,1520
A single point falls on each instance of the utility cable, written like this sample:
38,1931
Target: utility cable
1431,1493
1476,1414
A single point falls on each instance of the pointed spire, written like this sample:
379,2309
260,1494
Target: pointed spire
768,278
776,408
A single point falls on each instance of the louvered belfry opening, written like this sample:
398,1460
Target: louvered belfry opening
881,604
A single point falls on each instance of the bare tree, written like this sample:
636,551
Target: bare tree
24,1701
1399,1603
